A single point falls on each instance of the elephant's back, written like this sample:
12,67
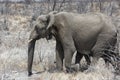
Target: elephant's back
88,28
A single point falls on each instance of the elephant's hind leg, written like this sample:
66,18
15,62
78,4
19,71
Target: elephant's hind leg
87,57
78,57
104,42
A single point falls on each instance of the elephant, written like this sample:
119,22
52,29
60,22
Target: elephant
73,32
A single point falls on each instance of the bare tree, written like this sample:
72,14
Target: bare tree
100,5
61,4
48,2
6,13
63,1
110,8
54,4
28,1
91,4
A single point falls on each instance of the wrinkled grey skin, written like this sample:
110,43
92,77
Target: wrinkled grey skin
82,32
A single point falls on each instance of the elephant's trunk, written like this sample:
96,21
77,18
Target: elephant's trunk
31,47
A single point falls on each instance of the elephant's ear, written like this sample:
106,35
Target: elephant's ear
51,19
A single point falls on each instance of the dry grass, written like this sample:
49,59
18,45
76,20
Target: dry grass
13,57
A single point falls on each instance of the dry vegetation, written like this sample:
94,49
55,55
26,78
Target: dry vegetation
15,27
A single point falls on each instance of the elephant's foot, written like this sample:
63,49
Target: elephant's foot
29,73
56,70
117,70
72,69
69,70
75,67
91,69
83,68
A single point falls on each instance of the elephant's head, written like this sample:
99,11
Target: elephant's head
42,29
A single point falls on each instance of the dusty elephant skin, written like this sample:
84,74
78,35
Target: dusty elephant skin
82,32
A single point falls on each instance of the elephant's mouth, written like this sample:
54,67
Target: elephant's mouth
47,36
33,39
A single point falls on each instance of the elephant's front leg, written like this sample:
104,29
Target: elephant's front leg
67,42
59,56
69,50
68,59
78,57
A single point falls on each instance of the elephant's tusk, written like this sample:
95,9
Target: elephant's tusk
30,40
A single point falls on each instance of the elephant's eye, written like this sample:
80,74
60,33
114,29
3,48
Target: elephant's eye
43,21
39,30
